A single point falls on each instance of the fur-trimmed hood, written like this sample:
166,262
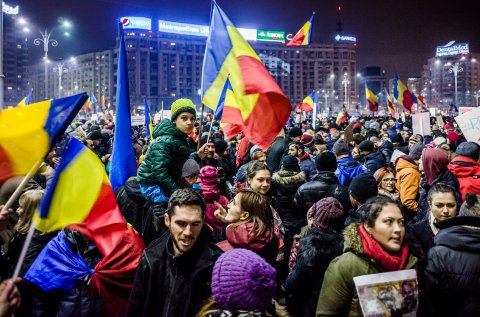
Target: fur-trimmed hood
352,239
319,243
288,178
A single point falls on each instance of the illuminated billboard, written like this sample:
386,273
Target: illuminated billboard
452,49
345,38
136,23
203,30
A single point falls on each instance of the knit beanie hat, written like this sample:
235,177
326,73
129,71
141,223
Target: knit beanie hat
290,163
242,280
468,149
340,148
306,140
182,105
453,136
254,149
471,206
416,151
374,125
327,213
204,140
326,161
363,187
220,146
208,175
95,135
294,132
190,167
366,146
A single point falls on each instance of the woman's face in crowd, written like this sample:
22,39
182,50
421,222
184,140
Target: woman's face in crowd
443,206
185,122
260,182
234,212
389,228
388,183
355,153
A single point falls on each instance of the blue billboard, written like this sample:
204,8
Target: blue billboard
138,23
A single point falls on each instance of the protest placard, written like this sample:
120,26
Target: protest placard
469,123
440,121
138,120
421,123
388,294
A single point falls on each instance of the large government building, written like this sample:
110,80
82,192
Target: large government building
165,63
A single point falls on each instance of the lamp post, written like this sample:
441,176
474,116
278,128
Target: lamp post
477,94
61,68
46,40
345,83
455,69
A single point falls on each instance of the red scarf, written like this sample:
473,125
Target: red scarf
372,249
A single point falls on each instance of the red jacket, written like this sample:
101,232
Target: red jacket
467,172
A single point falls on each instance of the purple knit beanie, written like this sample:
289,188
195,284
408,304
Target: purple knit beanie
208,175
242,280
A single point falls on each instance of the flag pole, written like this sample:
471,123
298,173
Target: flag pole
210,130
25,246
22,185
200,127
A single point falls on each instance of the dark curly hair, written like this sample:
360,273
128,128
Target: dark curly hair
185,196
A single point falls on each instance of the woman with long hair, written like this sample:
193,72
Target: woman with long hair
373,246
250,225
386,181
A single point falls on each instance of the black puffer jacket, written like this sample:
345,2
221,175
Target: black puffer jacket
284,186
453,270
373,161
131,203
386,149
311,192
318,248
275,153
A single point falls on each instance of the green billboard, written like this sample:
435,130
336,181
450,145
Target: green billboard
272,36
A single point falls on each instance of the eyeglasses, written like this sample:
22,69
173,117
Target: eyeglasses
389,180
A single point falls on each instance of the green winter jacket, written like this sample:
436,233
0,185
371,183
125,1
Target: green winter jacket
165,157
338,296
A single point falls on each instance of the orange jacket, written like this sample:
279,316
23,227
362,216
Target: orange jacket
408,183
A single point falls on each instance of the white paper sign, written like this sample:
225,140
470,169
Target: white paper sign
469,123
166,114
138,120
396,154
156,118
421,123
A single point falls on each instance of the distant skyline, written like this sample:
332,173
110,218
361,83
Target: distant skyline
396,35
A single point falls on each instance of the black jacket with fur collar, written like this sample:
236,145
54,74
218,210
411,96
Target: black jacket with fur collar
284,186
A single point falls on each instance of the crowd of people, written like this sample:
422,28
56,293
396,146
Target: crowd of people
232,230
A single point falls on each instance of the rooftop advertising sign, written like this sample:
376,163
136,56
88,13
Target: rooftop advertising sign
136,23
203,30
451,48
345,38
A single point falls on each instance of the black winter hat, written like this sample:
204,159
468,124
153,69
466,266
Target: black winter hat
326,161
220,146
204,139
363,187
366,146
290,163
294,132
95,135
468,149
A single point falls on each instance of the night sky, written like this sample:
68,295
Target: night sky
397,35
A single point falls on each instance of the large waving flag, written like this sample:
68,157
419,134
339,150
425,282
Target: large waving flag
389,102
148,120
308,102
402,94
123,164
304,35
258,96
28,133
371,99
341,118
80,194
26,100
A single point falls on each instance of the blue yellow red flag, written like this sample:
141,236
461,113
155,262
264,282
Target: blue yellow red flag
372,99
389,102
123,164
257,95
28,133
402,94
308,102
304,35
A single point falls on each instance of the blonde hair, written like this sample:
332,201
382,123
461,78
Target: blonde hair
29,201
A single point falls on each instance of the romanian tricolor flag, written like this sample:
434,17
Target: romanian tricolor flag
28,133
341,118
371,99
402,94
308,102
418,99
81,195
228,113
389,102
304,35
263,106
26,100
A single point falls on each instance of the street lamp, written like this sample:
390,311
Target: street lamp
345,83
455,69
61,67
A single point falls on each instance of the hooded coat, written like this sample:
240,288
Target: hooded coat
408,183
284,186
318,248
373,161
453,270
467,171
165,157
338,296
276,152
386,149
348,169
307,165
